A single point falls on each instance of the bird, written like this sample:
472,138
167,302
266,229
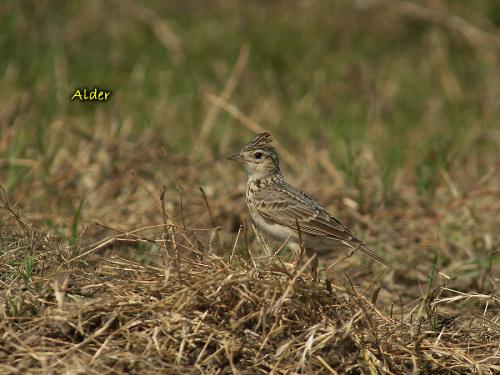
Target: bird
285,213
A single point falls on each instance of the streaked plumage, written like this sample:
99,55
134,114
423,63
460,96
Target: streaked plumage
277,207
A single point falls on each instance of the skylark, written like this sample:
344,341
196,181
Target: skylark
285,213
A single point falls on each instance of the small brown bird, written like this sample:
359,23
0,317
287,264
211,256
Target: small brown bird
277,207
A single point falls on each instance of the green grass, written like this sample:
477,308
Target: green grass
352,71
74,224
27,269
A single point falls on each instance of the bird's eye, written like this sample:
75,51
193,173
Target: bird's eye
257,155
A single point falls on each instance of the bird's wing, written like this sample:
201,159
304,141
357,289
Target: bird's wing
287,206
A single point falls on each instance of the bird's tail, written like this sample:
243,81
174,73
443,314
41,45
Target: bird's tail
358,245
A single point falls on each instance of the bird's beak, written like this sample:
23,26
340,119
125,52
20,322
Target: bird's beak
235,157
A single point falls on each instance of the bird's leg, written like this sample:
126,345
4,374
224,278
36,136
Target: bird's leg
298,254
302,255
261,241
314,268
300,247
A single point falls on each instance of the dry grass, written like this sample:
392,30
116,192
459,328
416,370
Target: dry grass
84,313
167,297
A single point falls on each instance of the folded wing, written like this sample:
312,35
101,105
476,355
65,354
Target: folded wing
287,206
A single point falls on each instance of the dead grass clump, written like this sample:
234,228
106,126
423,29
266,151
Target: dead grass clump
200,313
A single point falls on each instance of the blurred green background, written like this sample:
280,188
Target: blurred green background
414,82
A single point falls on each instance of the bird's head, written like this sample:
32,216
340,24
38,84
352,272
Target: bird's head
259,157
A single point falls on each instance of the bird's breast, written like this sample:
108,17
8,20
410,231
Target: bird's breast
269,228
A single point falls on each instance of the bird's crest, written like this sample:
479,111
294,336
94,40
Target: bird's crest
261,141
